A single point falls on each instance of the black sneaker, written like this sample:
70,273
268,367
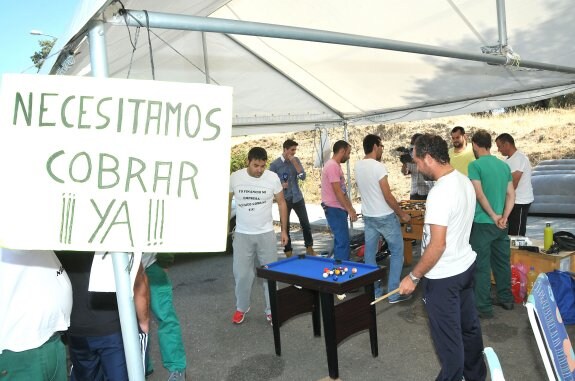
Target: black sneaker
506,306
485,315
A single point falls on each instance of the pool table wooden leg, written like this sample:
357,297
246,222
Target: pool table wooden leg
272,287
328,314
316,315
373,322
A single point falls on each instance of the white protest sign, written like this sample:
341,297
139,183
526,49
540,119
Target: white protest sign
113,165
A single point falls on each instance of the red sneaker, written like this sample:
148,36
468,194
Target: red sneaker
239,316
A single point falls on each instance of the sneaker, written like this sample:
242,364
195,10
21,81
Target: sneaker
179,375
485,315
239,316
288,253
506,306
269,318
402,298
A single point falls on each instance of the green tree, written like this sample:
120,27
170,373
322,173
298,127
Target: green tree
238,159
40,56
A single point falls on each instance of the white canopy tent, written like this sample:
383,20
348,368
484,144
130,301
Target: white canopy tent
297,64
379,61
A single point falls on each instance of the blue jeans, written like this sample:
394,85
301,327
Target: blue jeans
97,358
389,227
337,221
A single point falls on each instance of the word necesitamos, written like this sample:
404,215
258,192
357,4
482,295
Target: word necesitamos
125,115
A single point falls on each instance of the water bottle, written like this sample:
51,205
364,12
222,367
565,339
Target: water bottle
531,277
547,236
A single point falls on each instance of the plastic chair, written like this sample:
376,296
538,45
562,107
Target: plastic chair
493,364
550,334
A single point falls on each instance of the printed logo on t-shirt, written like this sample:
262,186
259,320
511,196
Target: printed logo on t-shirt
250,198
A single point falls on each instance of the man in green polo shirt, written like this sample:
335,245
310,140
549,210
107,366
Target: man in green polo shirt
495,194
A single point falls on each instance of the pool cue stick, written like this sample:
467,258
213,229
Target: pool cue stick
384,296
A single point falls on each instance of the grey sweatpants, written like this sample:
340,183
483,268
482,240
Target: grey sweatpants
248,247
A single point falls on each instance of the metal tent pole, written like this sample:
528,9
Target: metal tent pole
124,291
348,168
216,25
501,23
206,63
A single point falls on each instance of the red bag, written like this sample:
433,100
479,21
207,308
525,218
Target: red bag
523,276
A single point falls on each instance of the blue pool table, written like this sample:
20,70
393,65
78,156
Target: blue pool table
309,291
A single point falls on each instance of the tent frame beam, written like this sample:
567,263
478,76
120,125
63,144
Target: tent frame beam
216,25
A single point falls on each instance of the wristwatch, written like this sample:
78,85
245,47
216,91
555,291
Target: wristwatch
413,278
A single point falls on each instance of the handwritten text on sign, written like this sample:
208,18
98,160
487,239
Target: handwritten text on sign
111,164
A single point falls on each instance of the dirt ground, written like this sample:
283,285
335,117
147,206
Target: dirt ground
542,135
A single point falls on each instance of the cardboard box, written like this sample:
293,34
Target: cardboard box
564,261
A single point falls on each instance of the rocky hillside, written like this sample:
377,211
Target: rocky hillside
542,135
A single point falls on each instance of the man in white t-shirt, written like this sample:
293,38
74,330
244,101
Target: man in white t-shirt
36,302
447,265
255,189
380,210
521,174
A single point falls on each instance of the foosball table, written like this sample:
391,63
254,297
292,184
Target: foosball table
414,228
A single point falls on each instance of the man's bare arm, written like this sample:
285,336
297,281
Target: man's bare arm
282,206
344,201
516,177
392,201
509,203
429,258
483,201
142,299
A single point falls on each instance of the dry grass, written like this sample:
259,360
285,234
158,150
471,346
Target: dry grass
542,135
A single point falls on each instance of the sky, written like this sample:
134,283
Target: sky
18,18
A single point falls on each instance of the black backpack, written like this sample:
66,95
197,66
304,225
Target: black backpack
564,240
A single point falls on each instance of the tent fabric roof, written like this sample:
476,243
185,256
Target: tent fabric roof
286,85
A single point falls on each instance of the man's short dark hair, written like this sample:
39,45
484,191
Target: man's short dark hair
257,153
506,138
339,145
482,138
414,138
432,145
289,143
459,129
369,141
